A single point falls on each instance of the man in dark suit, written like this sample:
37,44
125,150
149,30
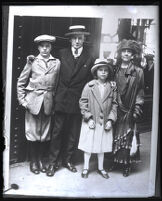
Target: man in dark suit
76,62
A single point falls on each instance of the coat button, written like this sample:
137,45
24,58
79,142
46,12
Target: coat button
100,121
101,115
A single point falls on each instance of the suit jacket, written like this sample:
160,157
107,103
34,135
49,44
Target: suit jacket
41,79
73,77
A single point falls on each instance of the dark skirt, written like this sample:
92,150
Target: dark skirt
123,136
123,147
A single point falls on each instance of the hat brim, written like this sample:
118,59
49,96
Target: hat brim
96,66
77,33
39,41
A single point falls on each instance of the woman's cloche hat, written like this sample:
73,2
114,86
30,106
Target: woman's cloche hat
45,38
101,62
77,30
129,44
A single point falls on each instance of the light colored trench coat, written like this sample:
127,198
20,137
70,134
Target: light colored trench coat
41,79
97,140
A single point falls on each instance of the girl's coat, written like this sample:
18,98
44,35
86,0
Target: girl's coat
97,140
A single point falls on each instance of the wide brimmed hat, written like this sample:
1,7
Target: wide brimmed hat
129,44
45,38
77,30
102,62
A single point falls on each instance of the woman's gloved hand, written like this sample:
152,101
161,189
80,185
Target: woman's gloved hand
137,113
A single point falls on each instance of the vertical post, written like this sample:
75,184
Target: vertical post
7,116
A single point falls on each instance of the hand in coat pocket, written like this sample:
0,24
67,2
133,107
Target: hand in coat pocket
91,124
25,105
108,126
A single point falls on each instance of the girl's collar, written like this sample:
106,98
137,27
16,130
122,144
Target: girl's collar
100,83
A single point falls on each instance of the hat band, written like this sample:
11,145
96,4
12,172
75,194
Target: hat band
102,62
126,47
77,30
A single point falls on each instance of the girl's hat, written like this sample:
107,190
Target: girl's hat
129,44
101,62
77,30
45,38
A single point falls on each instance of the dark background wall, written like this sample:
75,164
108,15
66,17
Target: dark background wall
26,28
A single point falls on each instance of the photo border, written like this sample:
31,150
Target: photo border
7,87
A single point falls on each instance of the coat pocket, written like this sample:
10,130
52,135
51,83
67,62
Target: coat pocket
34,101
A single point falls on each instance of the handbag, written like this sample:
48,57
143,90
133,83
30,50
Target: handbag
134,147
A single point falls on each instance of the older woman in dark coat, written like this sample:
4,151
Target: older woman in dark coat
130,84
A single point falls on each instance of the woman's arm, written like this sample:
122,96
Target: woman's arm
139,97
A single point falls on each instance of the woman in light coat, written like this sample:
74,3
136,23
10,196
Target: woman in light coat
99,111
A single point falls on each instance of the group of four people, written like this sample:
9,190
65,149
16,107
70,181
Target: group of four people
91,112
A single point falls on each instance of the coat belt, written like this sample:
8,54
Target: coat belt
45,88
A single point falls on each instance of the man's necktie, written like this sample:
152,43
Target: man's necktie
76,51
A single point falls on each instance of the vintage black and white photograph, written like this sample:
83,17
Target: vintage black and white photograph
81,101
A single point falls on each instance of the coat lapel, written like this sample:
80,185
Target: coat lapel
41,64
107,92
96,93
81,61
69,58
47,67
52,64
131,81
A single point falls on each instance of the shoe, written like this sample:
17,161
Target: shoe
34,167
85,175
57,165
70,167
103,173
51,170
41,166
126,172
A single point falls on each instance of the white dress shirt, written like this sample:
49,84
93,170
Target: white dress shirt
79,51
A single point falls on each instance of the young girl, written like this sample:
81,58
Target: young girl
40,74
99,111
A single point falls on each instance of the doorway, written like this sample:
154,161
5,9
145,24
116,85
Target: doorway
26,28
